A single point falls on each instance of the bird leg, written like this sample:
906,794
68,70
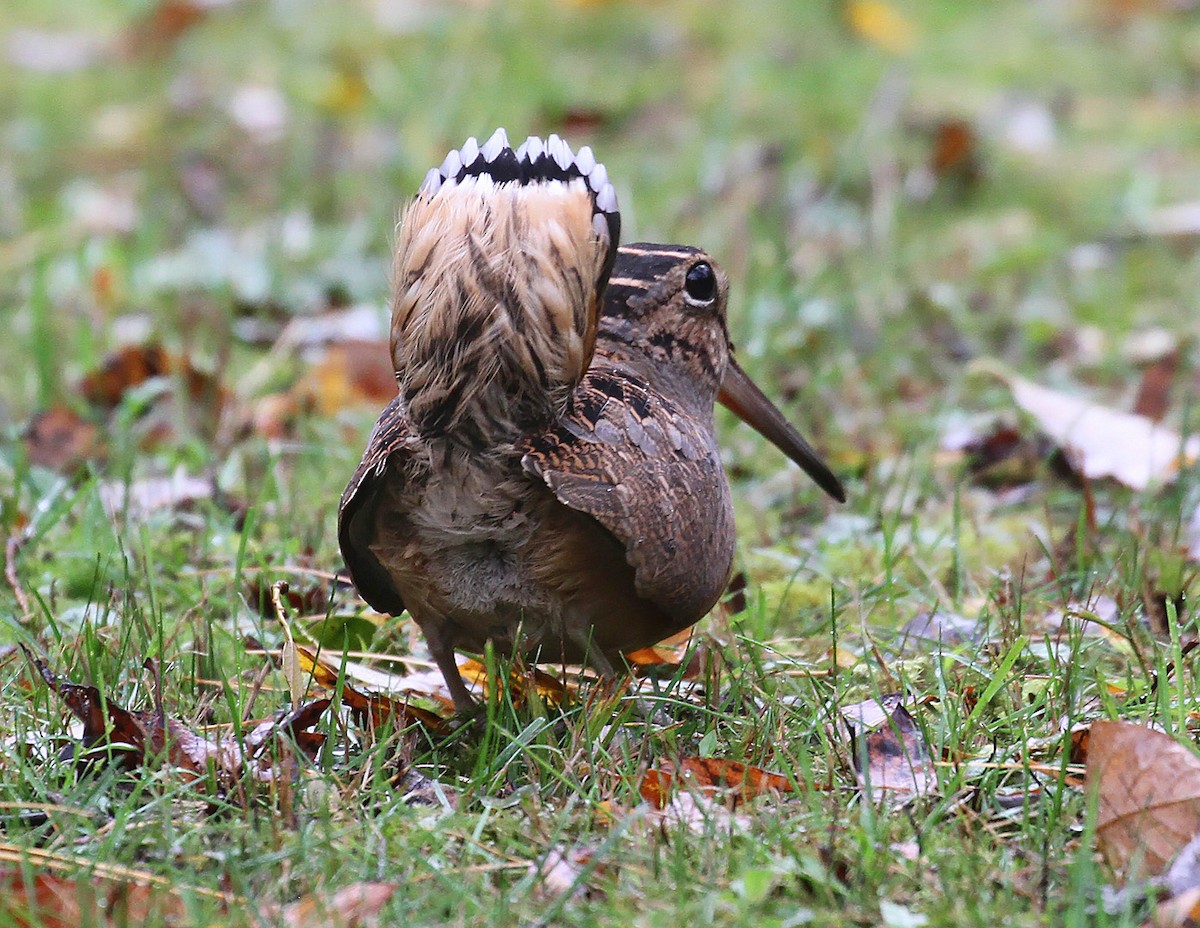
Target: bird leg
442,649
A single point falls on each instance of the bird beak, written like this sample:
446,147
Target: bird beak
740,396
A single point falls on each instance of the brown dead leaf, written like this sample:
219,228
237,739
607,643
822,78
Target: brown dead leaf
666,657
710,775
62,440
550,689
1148,792
161,27
104,723
276,415
355,906
369,708
133,365
954,155
1102,442
1154,392
1005,458
1182,911
135,738
350,373
47,900
893,762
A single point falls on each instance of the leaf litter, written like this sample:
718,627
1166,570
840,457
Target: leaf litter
1099,442
134,739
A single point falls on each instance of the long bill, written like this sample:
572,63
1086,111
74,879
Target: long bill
750,404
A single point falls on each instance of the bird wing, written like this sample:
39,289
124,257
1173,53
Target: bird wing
651,476
390,445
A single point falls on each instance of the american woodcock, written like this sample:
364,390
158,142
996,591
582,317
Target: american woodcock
548,477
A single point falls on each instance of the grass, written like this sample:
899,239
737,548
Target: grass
776,138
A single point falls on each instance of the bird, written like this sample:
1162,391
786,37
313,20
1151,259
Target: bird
548,477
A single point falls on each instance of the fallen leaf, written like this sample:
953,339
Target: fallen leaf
355,906
1182,911
62,440
870,714
734,600
699,813
134,738
47,900
711,775
1179,222
1148,795
551,690
893,762
881,24
140,498
133,365
157,31
53,52
561,872
364,322
261,110
954,154
1154,392
666,657
1102,442
582,120
368,708
940,628
1026,125
1005,458
348,374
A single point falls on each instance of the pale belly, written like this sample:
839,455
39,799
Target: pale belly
481,555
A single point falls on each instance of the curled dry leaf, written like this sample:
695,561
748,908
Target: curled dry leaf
667,656
1102,442
551,690
1148,795
160,28
351,373
893,761
711,775
134,738
134,365
368,708
61,439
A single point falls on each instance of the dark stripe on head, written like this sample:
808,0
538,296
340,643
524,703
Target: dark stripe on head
639,269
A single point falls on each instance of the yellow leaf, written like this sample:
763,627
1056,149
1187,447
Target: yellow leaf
881,24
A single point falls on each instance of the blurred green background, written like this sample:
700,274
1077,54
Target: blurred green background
197,154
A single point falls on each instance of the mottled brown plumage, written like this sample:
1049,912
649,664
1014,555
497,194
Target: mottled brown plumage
523,488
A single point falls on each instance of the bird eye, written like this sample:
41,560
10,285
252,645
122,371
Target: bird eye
701,283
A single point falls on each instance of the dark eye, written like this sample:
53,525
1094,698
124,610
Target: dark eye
701,283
